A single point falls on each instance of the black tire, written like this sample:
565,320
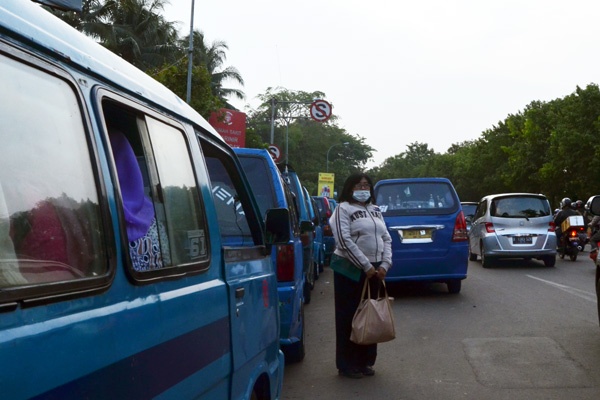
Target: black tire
454,286
295,352
485,260
307,291
573,257
550,261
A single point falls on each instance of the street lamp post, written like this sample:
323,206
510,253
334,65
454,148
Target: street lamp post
343,144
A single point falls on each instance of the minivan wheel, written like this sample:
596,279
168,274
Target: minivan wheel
454,286
306,292
295,352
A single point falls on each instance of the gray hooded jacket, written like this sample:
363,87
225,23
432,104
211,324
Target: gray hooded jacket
361,235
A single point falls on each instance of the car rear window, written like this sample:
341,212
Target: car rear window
413,198
258,175
520,207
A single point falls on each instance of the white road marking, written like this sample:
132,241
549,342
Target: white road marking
576,292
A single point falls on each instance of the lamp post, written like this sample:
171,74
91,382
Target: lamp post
343,144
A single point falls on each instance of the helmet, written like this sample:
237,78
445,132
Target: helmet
566,202
579,204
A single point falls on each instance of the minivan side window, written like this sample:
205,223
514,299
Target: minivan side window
238,223
51,226
163,214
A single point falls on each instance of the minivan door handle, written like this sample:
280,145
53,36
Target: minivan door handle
239,293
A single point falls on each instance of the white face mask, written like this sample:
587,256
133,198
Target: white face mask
361,195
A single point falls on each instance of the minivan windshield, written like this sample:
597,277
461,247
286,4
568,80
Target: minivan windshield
410,198
520,207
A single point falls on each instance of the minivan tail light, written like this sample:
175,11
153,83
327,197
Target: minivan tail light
285,262
460,228
489,227
552,227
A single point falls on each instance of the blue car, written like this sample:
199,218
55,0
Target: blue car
428,229
271,191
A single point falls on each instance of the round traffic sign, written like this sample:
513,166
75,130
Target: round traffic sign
275,152
320,110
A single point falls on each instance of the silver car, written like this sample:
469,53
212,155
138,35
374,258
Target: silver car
513,225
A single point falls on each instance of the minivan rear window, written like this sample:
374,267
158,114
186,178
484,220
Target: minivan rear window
258,175
414,198
520,207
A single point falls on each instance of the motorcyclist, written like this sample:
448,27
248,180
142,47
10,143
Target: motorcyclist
565,211
593,232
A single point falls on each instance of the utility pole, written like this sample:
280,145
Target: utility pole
190,54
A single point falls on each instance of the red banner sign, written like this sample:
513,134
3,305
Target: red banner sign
231,125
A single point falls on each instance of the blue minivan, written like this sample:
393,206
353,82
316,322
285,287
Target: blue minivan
308,235
428,230
271,191
135,262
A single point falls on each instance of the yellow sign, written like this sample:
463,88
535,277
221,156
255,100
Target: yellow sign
325,186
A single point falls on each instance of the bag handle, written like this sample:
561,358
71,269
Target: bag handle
367,288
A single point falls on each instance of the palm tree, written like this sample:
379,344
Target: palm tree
133,29
213,57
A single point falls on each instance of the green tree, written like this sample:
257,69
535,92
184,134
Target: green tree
306,140
213,56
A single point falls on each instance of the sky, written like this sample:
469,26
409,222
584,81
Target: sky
438,72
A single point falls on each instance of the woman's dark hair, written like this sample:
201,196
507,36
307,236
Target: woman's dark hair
348,188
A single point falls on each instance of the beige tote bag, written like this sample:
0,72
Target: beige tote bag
373,321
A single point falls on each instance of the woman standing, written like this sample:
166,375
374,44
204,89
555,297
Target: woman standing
362,242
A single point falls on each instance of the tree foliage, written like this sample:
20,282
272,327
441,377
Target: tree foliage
550,147
306,144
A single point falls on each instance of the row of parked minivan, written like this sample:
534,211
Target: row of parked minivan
300,261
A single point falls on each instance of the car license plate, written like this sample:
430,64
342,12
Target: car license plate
417,234
522,240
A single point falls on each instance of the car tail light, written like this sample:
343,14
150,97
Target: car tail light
285,262
489,227
460,228
327,230
552,227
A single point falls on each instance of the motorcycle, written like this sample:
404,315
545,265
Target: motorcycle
570,243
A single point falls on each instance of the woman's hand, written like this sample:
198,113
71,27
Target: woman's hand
381,273
371,273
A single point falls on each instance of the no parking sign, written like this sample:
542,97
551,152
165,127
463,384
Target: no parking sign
320,110
275,152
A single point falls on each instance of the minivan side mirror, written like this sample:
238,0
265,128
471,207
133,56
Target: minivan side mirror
594,204
278,227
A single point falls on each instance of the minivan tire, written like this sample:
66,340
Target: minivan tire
454,286
295,352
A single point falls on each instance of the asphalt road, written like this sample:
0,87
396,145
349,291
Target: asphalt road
518,330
